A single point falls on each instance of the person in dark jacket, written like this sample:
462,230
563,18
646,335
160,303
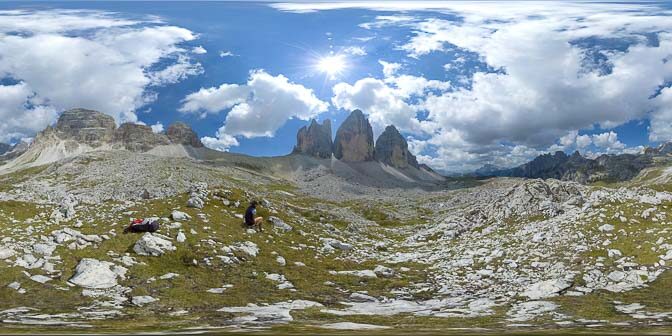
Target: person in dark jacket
251,218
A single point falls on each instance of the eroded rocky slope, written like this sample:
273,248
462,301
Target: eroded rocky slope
507,254
352,245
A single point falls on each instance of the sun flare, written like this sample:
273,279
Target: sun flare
333,65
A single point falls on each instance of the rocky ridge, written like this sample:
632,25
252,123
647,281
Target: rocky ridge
577,168
96,129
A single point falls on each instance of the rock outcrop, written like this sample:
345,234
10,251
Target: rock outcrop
392,149
354,139
85,126
181,134
315,140
139,138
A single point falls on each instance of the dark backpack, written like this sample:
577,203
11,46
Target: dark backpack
152,226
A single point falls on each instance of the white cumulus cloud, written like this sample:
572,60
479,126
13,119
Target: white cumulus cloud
385,101
223,142
609,141
256,109
108,69
199,50
548,68
158,127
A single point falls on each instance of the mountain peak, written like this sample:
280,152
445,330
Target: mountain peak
354,139
181,133
392,149
86,126
315,140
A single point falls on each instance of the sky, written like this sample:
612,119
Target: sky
467,83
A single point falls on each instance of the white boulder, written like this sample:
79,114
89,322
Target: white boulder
606,228
279,223
152,244
384,272
94,274
179,216
143,300
6,253
545,289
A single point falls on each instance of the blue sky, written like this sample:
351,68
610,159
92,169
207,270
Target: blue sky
468,83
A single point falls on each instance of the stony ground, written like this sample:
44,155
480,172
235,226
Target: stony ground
507,255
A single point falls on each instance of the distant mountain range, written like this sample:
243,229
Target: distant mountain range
575,167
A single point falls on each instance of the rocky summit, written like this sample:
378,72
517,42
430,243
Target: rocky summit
181,133
315,140
392,149
354,139
85,126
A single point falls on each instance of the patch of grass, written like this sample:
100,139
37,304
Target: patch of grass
635,238
600,305
9,181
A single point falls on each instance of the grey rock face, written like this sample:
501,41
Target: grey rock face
138,138
15,151
315,140
354,139
181,134
86,126
392,149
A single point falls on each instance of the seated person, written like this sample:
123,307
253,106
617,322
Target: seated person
250,217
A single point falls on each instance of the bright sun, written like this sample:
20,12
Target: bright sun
332,65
